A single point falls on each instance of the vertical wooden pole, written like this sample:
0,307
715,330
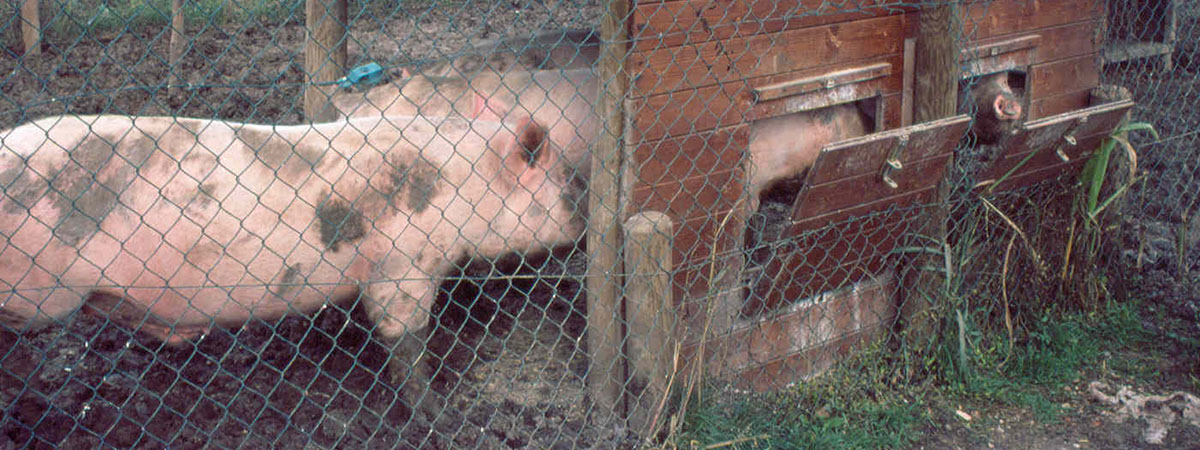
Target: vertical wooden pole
176,46
652,318
324,56
31,27
606,378
907,80
935,97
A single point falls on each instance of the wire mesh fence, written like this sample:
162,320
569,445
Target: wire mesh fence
413,272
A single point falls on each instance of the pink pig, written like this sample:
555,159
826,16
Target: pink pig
174,225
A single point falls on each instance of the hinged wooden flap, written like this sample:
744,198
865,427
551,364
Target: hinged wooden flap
816,92
1052,142
1010,54
848,176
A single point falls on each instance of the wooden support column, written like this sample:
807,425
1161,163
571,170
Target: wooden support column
935,97
176,46
651,314
324,56
606,377
31,27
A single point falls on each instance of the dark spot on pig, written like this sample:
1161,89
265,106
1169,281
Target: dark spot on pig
22,188
207,193
137,150
83,197
287,282
420,180
340,222
278,154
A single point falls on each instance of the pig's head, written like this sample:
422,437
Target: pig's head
997,109
539,188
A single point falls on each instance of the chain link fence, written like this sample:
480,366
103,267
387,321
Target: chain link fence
414,273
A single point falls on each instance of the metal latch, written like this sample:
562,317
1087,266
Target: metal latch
1068,138
893,161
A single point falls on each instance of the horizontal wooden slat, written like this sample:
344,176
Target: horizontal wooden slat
822,82
821,259
1003,55
697,110
1059,104
681,158
795,277
674,23
1059,42
824,98
1063,76
1045,159
867,154
848,192
692,197
684,112
988,19
898,201
786,369
1044,173
841,311
664,70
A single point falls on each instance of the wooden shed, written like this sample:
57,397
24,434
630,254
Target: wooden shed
701,72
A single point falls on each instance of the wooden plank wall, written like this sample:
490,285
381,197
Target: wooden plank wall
692,69
1067,60
693,65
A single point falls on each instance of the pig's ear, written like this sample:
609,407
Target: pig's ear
488,108
531,140
527,148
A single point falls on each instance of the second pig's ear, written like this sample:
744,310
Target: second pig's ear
488,108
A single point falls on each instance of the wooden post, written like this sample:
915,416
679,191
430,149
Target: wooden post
606,377
935,97
907,80
176,46
651,315
31,27
324,56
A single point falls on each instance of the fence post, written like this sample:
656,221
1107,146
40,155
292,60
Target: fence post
606,378
324,56
31,27
650,312
176,46
935,97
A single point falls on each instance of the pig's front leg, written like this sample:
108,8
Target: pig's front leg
400,311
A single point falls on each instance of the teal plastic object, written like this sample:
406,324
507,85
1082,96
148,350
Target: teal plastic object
365,75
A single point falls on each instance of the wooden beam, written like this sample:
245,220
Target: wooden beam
31,27
606,377
652,318
176,46
324,56
935,97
